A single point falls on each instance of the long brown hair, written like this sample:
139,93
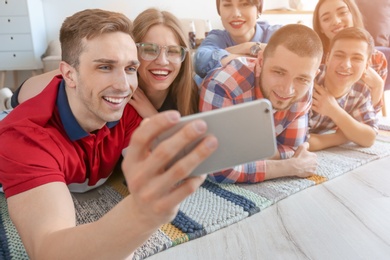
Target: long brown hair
356,17
183,89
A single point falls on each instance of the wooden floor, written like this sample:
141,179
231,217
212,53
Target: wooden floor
344,218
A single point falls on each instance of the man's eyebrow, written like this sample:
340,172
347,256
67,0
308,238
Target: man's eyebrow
102,60
276,67
134,63
353,54
306,76
109,61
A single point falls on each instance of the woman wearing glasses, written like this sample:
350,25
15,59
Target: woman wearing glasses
165,74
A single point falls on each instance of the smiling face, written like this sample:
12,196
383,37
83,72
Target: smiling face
156,76
286,77
334,15
239,19
102,84
345,65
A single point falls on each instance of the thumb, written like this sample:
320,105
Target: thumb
304,146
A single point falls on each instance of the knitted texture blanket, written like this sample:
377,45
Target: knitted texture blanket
212,207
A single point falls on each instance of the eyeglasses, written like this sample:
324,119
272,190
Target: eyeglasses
151,51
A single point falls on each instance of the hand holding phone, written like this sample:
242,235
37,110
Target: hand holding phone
245,133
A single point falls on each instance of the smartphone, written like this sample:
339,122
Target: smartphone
245,133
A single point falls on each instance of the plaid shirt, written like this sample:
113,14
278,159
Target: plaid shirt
236,83
379,63
357,103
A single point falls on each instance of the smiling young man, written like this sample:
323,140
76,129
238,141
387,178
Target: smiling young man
284,74
342,101
69,137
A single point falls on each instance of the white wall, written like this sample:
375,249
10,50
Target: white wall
57,10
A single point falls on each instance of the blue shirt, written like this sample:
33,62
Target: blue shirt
212,49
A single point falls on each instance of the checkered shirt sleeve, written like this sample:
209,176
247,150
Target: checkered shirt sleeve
234,84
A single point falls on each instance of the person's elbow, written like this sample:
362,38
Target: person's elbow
369,139
200,64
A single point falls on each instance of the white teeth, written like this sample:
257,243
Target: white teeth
113,100
344,73
160,72
237,23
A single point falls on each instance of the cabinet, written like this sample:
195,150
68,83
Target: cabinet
22,36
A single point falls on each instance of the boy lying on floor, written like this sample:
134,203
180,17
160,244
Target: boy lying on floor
342,102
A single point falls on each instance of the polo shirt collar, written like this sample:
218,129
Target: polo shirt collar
71,126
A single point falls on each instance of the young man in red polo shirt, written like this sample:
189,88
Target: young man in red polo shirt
70,136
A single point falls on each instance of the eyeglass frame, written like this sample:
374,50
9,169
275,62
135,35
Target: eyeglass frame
186,50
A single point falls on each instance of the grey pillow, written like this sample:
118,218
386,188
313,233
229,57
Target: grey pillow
376,15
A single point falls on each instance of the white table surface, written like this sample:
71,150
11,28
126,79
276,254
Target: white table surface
345,218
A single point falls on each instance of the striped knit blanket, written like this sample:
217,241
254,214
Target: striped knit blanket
211,207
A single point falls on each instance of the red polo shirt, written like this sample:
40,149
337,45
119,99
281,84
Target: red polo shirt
41,142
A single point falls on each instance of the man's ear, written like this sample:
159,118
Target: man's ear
259,64
318,71
68,74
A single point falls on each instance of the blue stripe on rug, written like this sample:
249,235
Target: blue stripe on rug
4,247
187,225
248,205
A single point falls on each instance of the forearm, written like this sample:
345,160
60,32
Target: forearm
208,58
231,57
376,96
355,131
279,168
115,236
323,141
376,85
34,85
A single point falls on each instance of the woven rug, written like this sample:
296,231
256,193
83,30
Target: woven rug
211,207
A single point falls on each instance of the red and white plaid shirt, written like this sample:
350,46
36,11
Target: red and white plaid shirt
236,83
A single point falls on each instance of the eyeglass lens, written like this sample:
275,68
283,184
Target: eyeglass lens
150,51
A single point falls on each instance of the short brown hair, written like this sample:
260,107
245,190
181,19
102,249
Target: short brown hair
298,39
354,33
257,3
89,24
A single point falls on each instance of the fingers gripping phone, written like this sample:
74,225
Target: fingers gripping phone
245,133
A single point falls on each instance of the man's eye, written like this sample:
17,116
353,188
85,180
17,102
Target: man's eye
131,69
358,58
104,67
304,81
